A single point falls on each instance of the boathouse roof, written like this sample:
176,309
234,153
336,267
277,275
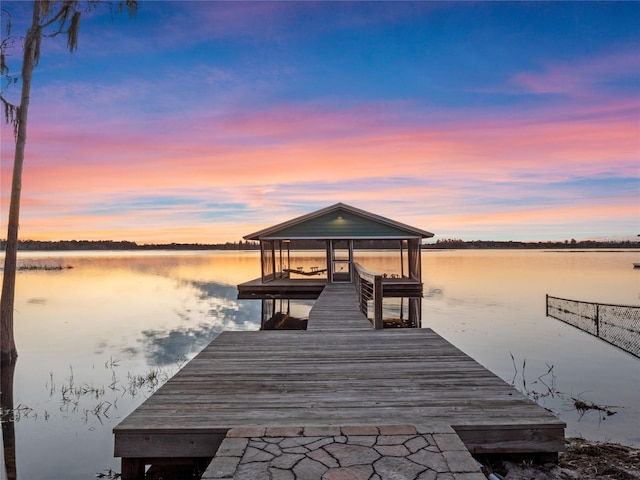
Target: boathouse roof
339,221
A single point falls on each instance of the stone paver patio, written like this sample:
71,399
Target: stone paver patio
359,452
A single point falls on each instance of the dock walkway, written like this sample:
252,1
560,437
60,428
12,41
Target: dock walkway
337,309
338,373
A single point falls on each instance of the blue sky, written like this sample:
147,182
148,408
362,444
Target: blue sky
204,121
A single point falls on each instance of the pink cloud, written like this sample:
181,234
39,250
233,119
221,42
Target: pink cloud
582,78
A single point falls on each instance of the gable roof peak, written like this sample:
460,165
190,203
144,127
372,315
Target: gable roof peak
315,225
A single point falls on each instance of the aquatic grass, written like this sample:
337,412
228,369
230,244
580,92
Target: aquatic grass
548,380
151,380
94,401
100,411
15,414
181,361
71,392
51,386
111,363
114,382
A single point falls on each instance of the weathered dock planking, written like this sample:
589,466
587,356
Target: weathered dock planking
313,287
282,287
342,298
339,372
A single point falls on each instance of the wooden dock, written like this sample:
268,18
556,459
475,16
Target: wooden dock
312,287
306,288
338,372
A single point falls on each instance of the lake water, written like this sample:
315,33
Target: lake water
94,340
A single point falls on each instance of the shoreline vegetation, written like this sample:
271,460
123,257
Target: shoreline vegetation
441,244
582,459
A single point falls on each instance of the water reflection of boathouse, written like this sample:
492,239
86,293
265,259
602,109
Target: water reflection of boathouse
340,236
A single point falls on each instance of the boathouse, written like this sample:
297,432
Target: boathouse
341,234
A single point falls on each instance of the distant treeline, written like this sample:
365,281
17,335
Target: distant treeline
63,245
452,243
448,243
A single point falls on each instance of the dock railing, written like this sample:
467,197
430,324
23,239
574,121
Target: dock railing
618,325
369,288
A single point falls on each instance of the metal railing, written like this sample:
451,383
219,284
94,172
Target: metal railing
618,325
369,289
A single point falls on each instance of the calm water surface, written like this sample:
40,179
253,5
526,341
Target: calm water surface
95,340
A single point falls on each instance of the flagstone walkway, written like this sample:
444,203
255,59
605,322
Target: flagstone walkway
365,452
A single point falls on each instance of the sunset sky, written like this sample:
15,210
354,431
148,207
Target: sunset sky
205,121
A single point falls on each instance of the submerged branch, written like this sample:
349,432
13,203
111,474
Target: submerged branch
584,407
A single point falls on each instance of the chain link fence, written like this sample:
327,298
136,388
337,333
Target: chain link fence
618,325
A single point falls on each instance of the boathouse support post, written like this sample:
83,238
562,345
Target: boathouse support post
377,302
415,311
413,251
268,260
401,258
